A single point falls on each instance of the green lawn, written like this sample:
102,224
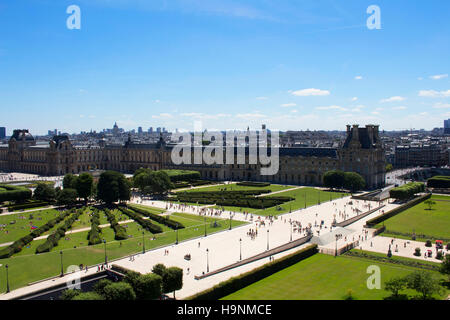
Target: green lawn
434,222
310,196
324,277
15,226
235,187
48,264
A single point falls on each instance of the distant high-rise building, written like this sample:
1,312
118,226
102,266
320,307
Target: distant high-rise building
447,126
2,132
150,130
158,130
140,130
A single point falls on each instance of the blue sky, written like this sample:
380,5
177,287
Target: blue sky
231,64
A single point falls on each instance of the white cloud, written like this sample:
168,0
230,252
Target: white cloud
311,92
441,105
262,98
249,116
419,78
399,108
204,116
358,78
162,115
434,94
354,98
288,105
393,99
331,108
439,76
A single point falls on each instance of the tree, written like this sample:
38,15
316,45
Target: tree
395,285
148,286
113,186
429,203
159,269
44,192
334,179
152,182
85,186
354,181
99,287
389,167
119,291
172,280
69,181
67,197
69,294
423,283
445,266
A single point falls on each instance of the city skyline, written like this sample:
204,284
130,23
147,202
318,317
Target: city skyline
230,65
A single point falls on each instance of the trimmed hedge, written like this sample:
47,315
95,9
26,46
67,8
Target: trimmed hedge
95,232
29,205
236,283
19,244
52,240
407,191
120,233
14,193
439,182
146,224
160,219
374,221
182,175
243,198
415,264
253,184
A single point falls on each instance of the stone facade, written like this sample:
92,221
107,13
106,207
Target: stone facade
361,152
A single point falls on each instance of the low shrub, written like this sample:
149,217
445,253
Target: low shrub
146,224
120,233
160,219
253,184
94,235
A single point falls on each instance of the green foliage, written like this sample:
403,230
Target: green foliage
243,198
69,294
99,287
84,185
45,192
395,285
407,191
113,186
146,224
389,167
88,296
172,279
119,291
147,287
334,179
14,193
119,231
182,175
27,205
52,240
67,197
253,184
69,181
439,182
445,266
94,235
423,283
430,203
152,182
159,269
17,246
160,219
354,181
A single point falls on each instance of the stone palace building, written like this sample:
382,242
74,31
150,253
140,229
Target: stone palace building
361,152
